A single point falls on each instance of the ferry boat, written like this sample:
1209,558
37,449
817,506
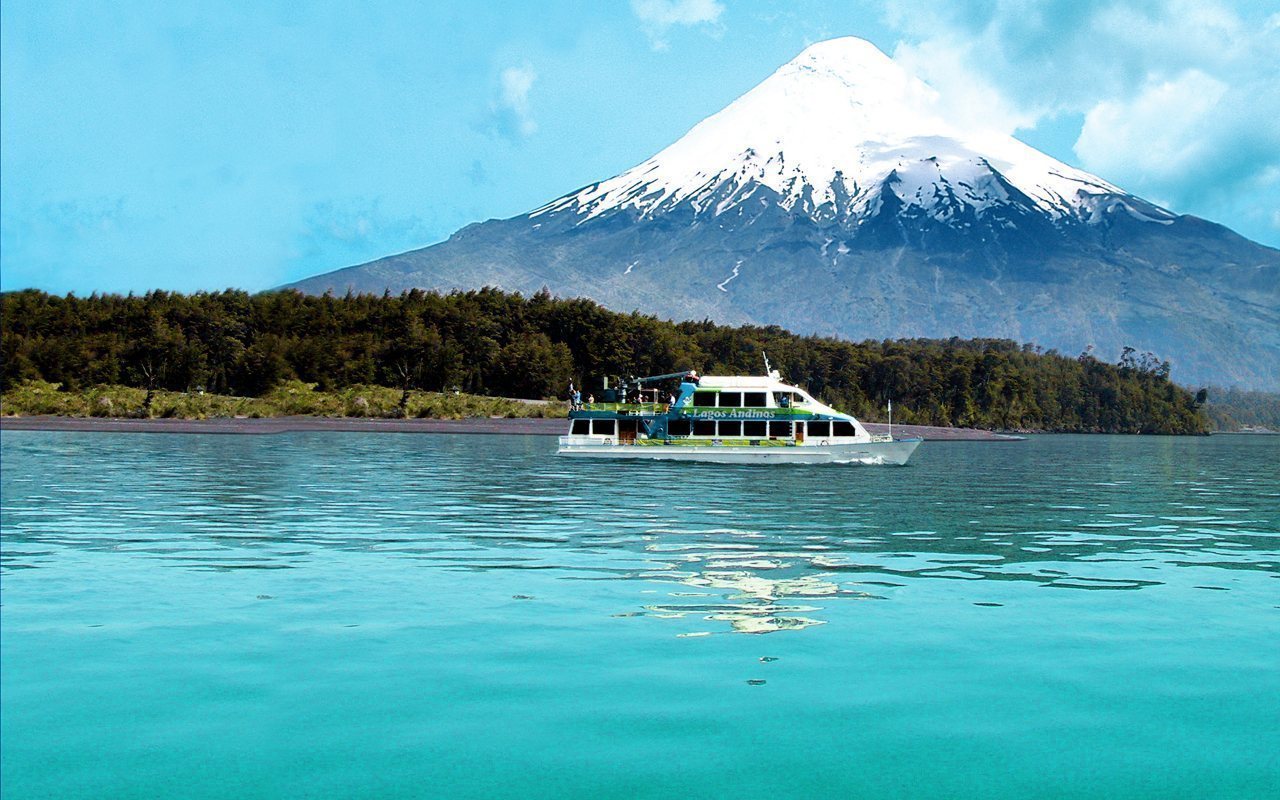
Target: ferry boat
728,420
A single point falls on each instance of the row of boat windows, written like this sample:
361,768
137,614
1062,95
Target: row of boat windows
746,399
752,429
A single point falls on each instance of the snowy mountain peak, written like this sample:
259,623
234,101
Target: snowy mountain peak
832,134
858,68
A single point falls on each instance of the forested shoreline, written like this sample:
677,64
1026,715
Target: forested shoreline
1231,409
489,342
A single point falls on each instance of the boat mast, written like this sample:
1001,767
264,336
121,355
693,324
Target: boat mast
890,417
769,371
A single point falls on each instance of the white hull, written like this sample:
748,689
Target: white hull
896,452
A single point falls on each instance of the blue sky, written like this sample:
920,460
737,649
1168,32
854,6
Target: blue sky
205,145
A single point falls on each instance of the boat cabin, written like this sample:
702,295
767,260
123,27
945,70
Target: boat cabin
718,410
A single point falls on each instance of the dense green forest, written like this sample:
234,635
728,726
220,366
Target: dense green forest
494,343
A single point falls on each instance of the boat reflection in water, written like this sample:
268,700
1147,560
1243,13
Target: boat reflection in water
752,591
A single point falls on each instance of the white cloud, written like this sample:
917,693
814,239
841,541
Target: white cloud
513,99
658,16
1053,56
1159,133
1179,97
1190,139
967,97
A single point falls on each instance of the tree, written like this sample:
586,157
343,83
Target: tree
151,356
410,356
534,367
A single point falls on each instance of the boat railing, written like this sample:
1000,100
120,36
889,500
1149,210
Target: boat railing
639,409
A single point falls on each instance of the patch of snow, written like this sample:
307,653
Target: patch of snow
725,282
1145,218
1095,208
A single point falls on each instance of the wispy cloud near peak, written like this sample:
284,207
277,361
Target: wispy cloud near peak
513,99
659,16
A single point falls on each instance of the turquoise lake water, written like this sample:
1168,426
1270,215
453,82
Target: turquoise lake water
384,616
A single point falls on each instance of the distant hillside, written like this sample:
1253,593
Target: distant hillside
836,198
1234,409
495,343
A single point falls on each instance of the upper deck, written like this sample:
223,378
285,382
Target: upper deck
730,399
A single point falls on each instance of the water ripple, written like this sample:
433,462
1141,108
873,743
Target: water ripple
761,550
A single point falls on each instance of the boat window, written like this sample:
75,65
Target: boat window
603,427
784,399
581,427
842,428
731,399
704,398
731,428
780,429
679,427
704,427
754,399
819,427
754,429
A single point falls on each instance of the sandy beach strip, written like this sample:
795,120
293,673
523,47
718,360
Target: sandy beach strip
270,425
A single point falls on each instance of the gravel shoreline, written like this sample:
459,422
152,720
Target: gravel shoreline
272,425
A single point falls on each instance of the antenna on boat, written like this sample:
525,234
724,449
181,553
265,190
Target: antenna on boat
768,370
890,417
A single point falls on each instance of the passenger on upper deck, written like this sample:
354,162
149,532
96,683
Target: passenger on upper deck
692,377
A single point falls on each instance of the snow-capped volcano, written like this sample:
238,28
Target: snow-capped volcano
828,135
840,197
